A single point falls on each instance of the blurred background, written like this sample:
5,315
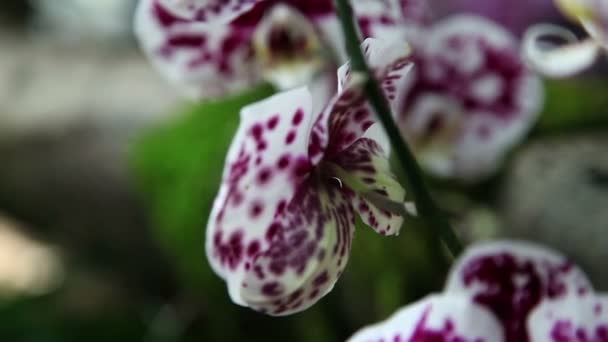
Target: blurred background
106,179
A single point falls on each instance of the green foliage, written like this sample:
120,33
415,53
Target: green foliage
178,169
574,105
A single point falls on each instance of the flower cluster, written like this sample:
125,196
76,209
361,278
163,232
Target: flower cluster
469,99
304,162
503,291
575,55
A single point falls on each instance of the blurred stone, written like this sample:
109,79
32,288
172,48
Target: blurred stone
75,189
46,87
14,12
27,266
557,193
77,20
67,118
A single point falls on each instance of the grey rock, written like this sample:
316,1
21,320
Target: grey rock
557,194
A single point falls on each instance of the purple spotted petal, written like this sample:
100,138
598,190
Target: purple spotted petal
208,10
365,168
436,319
281,227
512,278
308,246
471,97
349,114
201,59
265,166
570,319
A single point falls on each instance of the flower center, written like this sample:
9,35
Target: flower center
432,129
288,48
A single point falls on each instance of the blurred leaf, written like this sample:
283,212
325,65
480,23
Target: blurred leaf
178,169
574,104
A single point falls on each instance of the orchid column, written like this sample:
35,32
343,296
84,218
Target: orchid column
425,205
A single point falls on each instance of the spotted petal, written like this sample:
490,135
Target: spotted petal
436,318
570,319
308,248
208,10
279,233
201,59
264,168
349,114
364,167
511,278
471,97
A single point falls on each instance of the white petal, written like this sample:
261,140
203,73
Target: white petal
557,61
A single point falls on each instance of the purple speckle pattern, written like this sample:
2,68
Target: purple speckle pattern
282,224
208,10
512,279
470,87
435,319
202,59
503,291
571,319
207,48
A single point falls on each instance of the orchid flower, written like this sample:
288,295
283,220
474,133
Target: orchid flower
470,98
215,48
281,227
574,56
503,291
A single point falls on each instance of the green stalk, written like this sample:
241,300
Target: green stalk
426,206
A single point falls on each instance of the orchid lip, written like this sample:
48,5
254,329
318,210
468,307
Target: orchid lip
376,199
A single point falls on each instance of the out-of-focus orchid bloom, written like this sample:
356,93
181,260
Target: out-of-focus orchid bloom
282,224
435,319
470,98
503,291
213,48
512,279
569,56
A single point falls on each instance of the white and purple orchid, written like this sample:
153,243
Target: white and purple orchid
571,56
282,224
503,291
470,97
215,48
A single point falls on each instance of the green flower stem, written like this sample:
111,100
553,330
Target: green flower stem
425,205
